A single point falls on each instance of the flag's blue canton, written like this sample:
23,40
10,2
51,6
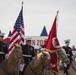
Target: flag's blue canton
19,22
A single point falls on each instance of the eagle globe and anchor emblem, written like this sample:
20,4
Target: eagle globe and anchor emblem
55,44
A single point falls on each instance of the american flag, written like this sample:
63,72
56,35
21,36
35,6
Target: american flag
18,31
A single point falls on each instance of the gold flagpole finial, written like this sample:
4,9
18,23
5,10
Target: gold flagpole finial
22,2
57,11
22,5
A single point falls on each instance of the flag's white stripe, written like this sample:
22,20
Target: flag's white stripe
13,42
14,34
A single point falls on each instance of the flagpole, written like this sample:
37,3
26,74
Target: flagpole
22,11
57,20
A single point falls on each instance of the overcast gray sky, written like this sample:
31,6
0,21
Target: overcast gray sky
38,13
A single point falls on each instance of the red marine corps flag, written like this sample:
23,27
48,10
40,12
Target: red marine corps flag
52,45
17,35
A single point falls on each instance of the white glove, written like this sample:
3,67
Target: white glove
65,65
22,67
53,65
73,58
6,56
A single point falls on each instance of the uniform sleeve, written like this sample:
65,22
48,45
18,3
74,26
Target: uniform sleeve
63,47
23,51
71,54
33,51
5,49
